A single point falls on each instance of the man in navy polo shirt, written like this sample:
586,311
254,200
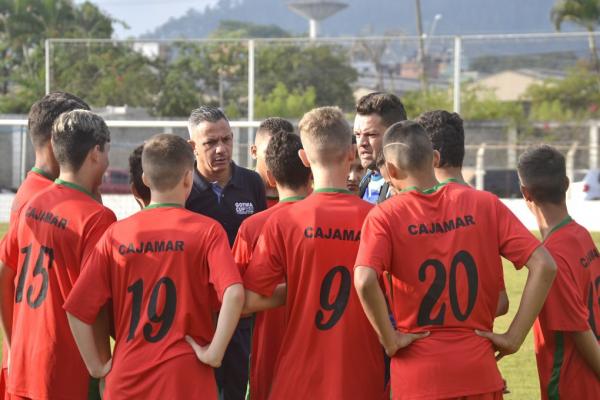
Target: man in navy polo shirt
228,193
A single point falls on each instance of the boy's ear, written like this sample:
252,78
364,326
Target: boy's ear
304,158
253,151
352,153
436,159
145,179
526,194
271,179
393,171
188,179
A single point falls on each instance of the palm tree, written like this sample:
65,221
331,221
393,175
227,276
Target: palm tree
585,13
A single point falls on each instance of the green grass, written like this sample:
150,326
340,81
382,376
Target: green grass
519,369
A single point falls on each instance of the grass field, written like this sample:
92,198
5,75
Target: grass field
519,370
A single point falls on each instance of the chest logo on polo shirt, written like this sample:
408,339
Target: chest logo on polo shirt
244,208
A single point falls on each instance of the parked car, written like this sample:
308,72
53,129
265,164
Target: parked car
589,187
115,181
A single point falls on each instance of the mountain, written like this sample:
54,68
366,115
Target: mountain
459,17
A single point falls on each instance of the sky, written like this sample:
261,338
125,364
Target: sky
144,16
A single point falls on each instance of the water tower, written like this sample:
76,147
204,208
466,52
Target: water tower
315,11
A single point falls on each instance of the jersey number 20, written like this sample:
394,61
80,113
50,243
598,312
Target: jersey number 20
439,284
165,318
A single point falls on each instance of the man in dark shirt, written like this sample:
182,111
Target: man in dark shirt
228,193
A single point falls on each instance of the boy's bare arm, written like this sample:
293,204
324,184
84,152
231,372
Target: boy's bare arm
542,270
373,302
255,302
502,304
589,349
7,295
212,354
85,338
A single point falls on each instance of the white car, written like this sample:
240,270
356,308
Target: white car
589,187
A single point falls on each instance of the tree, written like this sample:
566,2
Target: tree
585,13
219,72
229,29
282,103
577,96
24,25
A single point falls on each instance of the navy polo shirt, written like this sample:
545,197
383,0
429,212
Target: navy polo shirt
243,196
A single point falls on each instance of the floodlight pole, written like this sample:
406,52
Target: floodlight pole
457,67
313,28
47,64
593,156
250,139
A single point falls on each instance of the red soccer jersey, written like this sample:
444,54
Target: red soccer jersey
161,268
329,350
55,231
442,251
36,181
571,306
269,326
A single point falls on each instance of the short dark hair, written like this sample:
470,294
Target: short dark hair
407,146
205,114
74,134
272,125
283,161
543,172
386,105
447,136
46,110
135,173
165,159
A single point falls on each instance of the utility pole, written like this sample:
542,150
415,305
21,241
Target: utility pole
421,54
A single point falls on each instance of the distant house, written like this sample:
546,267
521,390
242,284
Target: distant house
511,85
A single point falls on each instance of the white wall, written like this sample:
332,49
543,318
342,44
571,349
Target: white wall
587,213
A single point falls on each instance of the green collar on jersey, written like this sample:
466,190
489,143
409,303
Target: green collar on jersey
561,224
292,198
332,190
41,172
75,187
163,205
431,189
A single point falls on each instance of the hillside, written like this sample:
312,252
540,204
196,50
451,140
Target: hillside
375,16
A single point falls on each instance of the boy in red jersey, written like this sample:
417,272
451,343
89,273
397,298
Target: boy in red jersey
567,330
41,117
329,351
292,179
447,135
265,131
161,268
55,231
439,242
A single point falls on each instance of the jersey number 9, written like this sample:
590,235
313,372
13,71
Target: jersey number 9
338,305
